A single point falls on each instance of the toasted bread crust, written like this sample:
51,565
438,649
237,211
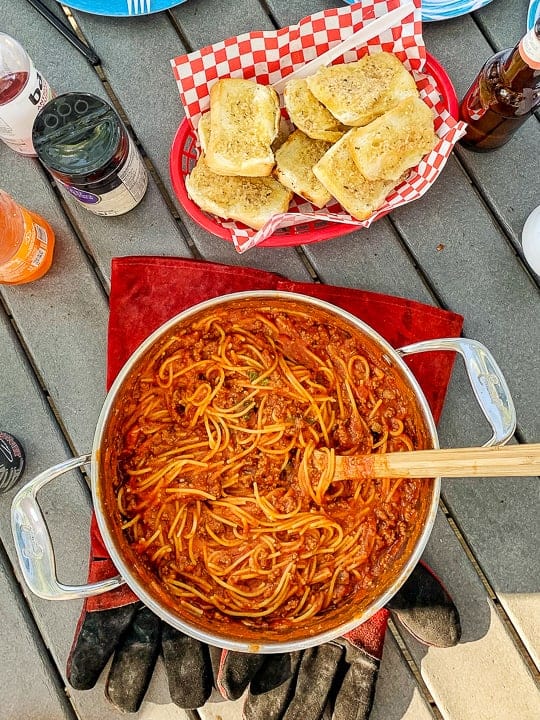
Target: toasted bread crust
203,131
244,120
252,201
294,167
395,142
309,115
356,93
339,174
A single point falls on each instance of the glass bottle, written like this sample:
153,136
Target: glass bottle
504,94
26,243
23,92
83,143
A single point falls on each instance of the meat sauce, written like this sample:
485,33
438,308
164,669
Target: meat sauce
214,498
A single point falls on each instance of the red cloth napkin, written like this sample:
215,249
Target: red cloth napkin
148,291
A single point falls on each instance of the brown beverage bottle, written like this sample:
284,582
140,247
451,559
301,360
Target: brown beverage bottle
504,94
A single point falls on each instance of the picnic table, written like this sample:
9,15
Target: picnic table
458,247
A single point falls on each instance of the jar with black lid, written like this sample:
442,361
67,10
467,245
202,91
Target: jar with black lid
83,143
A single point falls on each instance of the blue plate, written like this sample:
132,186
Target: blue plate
533,14
433,10
444,9
118,8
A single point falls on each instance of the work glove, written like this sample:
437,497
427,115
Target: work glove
117,624
337,680
338,677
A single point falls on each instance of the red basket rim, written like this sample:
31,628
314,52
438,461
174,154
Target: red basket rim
294,236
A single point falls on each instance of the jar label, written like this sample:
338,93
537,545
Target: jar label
133,183
529,49
17,117
32,253
82,195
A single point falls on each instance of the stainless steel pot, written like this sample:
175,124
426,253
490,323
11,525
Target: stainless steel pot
33,543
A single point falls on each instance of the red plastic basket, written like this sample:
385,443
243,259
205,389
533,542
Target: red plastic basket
185,151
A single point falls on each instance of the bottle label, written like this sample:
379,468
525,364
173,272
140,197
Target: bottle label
31,255
130,191
12,461
17,117
529,49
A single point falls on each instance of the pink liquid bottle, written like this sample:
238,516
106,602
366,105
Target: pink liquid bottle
23,92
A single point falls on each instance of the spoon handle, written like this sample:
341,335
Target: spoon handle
509,460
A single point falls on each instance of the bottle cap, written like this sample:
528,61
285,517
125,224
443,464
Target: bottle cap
12,461
76,134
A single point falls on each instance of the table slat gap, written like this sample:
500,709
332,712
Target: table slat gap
308,264
467,549
74,227
268,10
415,670
152,170
501,612
188,46
169,202
513,241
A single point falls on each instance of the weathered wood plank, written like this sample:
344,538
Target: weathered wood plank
456,246
23,655
483,677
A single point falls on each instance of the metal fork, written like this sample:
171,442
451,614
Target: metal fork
138,7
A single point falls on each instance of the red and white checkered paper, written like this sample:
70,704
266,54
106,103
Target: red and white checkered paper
269,56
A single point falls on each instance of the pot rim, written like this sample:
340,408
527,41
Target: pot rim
131,578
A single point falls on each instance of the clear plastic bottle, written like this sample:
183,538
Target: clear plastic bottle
23,92
505,93
26,243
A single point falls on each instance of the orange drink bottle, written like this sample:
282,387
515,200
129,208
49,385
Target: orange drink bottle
26,243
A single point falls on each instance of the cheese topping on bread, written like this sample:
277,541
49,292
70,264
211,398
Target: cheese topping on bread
294,167
338,172
358,128
394,142
203,131
308,114
244,120
252,201
356,93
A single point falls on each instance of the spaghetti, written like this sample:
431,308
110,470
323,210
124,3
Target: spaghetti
215,490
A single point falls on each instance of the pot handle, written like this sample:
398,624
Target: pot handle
33,542
487,381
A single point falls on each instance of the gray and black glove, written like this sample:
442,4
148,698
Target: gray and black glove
337,679
334,680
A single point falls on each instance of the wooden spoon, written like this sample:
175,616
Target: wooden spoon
520,460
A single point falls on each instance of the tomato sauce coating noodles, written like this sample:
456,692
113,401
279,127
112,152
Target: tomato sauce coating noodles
216,492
